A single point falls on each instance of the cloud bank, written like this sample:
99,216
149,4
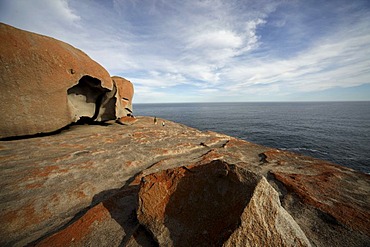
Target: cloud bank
210,50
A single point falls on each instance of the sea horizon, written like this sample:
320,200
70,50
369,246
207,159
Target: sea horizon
226,102
335,131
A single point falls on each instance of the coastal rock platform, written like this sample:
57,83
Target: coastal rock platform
145,184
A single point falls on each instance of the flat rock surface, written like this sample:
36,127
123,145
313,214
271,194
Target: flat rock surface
80,187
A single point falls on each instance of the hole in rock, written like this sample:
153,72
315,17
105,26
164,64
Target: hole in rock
86,100
86,97
128,109
206,206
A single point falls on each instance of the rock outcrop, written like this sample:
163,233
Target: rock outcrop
81,188
216,204
125,94
145,184
48,84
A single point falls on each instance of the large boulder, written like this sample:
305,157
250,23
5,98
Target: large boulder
213,205
47,84
125,93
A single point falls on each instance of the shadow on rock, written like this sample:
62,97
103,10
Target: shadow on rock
110,220
122,205
195,206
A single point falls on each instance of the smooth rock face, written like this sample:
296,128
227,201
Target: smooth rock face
215,204
264,222
47,84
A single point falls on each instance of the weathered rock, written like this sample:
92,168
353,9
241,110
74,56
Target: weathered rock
215,204
46,181
127,120
47,84
318,184
53,189
264,222
125,93
323,197
113,218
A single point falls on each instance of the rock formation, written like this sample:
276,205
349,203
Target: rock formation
48,84
125,93
87,185
144,184
213,205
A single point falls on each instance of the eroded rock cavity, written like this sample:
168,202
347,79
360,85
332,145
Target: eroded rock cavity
210,205
48,84
88,99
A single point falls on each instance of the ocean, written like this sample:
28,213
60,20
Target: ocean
335,131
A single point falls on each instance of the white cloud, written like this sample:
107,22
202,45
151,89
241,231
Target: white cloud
215,40
252,38
213,46
157,79
340,60
148,94
42,16
62,9
191,39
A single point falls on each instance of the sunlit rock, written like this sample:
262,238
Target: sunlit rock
48,84
215,204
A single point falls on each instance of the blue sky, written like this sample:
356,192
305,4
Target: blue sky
215,51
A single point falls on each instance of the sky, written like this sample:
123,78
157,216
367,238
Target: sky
213,50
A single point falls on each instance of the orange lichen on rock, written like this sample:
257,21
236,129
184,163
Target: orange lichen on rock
196,188
321,191
44,171
24,218
127,120
328,187
212,205
34,185
159,183
78,230
211,155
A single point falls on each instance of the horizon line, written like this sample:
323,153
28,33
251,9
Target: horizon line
292,101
